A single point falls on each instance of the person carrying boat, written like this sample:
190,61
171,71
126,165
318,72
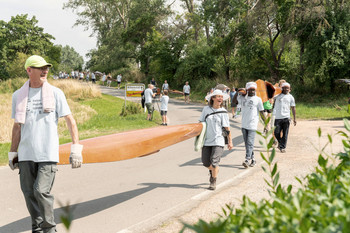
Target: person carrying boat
216,118
282,105
251,105
36,108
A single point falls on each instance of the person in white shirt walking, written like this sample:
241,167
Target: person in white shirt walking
164,100
36,108
119,80
251,106
216,119
282,105
165,86
186,91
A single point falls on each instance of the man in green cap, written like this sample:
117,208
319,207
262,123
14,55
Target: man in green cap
36,107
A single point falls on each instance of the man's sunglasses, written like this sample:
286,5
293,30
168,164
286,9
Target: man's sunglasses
45,68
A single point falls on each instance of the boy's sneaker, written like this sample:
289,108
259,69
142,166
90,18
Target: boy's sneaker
283,150
245,163
252,164
212,185
211,178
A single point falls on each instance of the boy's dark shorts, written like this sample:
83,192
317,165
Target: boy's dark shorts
211,155
163,113
268,110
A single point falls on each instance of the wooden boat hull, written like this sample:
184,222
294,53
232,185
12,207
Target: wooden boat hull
131,144
265,90
176,92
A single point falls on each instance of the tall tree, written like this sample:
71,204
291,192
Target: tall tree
224,17
121,27
70,59
327,50
22,35
271,21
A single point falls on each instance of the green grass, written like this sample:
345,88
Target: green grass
321,111
106,121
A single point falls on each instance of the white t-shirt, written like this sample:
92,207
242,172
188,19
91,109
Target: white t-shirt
187,89
282,105
215,123
148,95
104,77
250,108
165,86
119,78
93,76
39,137
164,103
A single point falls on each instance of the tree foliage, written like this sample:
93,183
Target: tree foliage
235,41
70,59
22,36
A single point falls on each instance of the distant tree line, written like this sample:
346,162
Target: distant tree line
21,37
303,41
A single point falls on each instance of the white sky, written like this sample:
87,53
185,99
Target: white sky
55,21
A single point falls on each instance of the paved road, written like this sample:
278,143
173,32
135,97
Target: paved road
134,195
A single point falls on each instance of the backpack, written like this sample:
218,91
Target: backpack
143,99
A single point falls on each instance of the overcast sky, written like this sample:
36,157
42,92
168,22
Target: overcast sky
55,21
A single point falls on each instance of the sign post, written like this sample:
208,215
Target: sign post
133,90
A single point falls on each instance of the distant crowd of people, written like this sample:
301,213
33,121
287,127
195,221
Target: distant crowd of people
76,74
87,76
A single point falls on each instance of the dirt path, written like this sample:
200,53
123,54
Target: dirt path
300,160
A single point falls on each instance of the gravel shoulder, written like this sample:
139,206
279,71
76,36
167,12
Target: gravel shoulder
300,160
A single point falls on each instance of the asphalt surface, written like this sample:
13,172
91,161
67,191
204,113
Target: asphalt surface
135,195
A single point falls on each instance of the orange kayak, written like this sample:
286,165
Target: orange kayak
131,144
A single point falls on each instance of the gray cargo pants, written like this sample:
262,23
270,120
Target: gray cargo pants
249,137
36,183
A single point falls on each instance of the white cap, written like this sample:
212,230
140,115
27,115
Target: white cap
217,92
285,85
250,85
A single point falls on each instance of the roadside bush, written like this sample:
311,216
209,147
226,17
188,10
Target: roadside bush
321,205
131,109
11,85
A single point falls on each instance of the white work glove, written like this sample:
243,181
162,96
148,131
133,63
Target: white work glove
13,160
76,158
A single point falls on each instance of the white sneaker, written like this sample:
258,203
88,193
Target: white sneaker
252,164
245,163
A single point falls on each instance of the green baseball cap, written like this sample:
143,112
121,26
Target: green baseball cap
36,61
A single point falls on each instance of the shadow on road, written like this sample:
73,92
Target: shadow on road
87,208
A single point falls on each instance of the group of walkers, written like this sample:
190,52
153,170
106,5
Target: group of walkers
37,105
152,92
78,75
250,106
109,80
87,76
